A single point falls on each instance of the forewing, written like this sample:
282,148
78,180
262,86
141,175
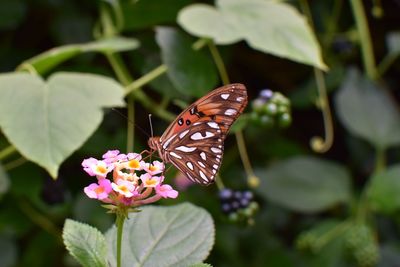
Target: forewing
222,105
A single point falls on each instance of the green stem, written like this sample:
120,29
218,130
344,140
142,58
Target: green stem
365,38
148,77
134,89
7,151
252,179
14,163
336,231
331,28
384,65
199,44
219,62
318,144
39,219
219,182
120,227
119,68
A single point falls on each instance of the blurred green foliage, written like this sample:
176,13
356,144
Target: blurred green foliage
338,208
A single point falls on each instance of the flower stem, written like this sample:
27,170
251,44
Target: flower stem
120,227
365,38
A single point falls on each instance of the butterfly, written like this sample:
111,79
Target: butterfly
194,141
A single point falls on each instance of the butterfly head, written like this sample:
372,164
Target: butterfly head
154,143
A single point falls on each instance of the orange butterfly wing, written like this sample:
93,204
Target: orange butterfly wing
194,141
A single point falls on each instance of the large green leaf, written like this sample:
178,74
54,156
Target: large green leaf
48,120
306,184
51,58
367,111
85,243
179,235
271,27
191,72
142,14
384,190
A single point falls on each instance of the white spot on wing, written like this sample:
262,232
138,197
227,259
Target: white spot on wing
165,145
218,156
198,136
230,111
213,125
240,99
190,165
203,155
216,150
175,155
215,166
203,176
182,134
225,96
185,149
201,164
214,171
197,123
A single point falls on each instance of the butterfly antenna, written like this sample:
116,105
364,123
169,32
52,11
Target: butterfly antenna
137,126
151,126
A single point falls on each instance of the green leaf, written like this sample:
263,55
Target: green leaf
178,235
48,120
8,251
143,14
393,42
4,181
201,265
384,190
367,111
390,255
306,184
191,72
272,27
55,56
85,243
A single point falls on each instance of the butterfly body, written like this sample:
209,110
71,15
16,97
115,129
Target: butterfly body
194,141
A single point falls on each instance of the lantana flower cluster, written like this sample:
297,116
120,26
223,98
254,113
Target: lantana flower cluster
126,179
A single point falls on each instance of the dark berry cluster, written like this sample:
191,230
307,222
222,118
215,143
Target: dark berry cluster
238,205
270,109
